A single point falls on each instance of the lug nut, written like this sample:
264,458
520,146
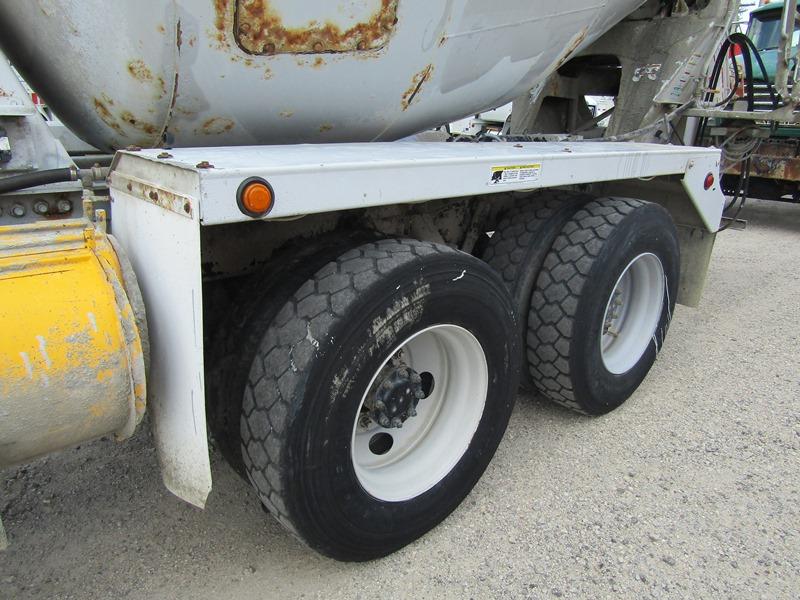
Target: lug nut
40,207
64,206
18,210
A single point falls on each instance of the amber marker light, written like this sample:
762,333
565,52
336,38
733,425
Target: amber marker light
255,197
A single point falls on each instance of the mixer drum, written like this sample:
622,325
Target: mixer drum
237,72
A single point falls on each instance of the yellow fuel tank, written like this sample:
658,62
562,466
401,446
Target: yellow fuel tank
72,344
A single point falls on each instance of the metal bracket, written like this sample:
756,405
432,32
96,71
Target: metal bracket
168,199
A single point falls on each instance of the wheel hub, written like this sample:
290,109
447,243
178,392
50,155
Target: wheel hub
632,313
395,400
616,308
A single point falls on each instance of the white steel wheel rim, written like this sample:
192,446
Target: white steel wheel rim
632,313
431,443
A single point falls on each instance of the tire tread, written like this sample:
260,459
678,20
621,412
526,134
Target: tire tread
287,350
554,301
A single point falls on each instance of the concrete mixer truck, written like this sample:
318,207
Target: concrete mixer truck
272,250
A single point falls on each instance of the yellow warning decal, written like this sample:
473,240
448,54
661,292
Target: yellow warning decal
516,174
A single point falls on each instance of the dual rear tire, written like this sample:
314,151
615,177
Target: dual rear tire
377,395
603,298
364,387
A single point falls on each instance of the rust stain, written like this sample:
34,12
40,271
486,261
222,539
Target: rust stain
216,126
161,29
5,94
318,62
416,85
222,23
325,127
162,86
185,112
267,73
102,108
178,35
259,29
775,160
140,71
572,47
159,196
143,126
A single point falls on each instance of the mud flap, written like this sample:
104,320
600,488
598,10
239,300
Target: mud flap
160,232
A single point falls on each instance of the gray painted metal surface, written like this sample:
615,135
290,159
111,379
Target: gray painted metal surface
234,72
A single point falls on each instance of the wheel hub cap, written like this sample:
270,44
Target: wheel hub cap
396,398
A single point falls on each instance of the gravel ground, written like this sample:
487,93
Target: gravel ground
689,490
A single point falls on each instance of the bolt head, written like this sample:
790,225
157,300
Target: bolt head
41,207
18,210
64,206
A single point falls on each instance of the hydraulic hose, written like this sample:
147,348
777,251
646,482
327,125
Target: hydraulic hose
29,180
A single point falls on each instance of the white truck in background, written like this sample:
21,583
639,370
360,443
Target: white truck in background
349,316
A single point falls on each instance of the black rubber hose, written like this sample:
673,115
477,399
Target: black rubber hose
37,178
741,40
760,62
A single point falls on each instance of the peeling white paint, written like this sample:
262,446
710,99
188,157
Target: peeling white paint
27,362
43,349
93,321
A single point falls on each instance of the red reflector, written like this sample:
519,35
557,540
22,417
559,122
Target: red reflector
709,181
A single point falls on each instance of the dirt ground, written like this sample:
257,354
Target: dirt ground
692,489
